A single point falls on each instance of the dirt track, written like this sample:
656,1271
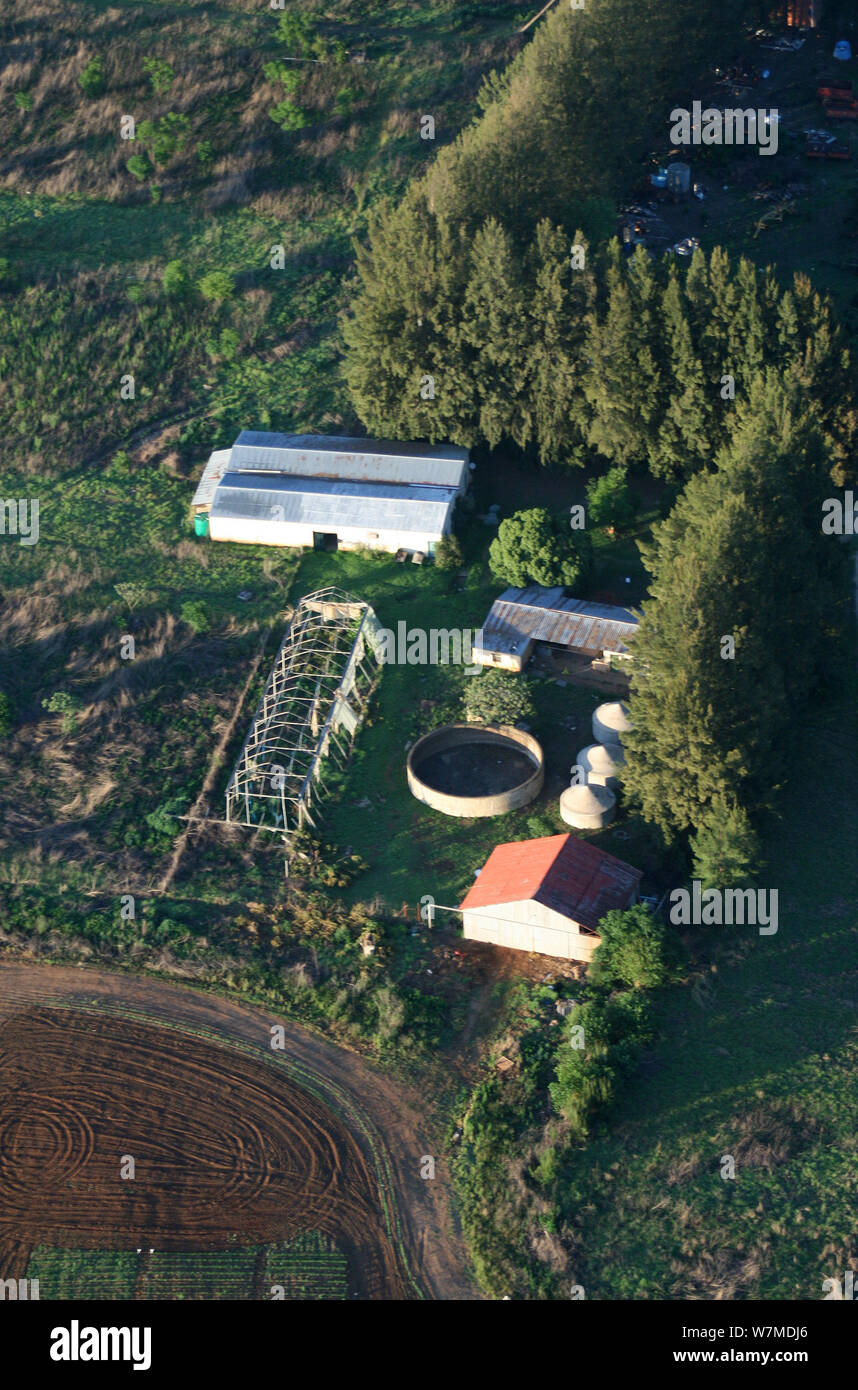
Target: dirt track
227,1139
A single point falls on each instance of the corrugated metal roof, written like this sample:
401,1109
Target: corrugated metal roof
329,504
333,456
211,476
568,875
537,614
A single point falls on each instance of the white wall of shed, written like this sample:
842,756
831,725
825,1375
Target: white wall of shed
284,533
529,926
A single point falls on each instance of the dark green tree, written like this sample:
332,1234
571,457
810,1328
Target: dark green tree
726,848
496,327
408,368
742,610
176,280
560,301
533,547
624,385
685,435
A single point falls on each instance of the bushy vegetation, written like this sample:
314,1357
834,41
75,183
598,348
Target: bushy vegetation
635,951
534,547
449,554
602,1044
302,957
498,697
610,501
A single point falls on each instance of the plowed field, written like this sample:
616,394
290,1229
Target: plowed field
227,1142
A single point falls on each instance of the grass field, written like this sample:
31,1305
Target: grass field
309,1267
758,1059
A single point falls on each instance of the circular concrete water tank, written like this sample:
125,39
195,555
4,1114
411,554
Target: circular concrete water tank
602,763
611,721
476,769
588,807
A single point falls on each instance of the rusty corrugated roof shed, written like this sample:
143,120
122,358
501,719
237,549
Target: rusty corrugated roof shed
568,875
537,614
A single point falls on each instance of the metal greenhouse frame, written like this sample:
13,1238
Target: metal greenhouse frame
313,703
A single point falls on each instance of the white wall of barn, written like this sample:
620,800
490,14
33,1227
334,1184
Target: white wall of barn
529,926
285,533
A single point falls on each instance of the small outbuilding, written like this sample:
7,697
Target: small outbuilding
611,721
521,618
603,763
588,807
547,895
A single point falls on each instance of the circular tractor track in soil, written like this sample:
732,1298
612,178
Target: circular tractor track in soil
230,1145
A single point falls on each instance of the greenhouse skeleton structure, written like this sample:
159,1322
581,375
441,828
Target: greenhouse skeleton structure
312,705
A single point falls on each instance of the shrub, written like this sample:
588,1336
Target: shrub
139,166
497,697
449,554
167,136
224,348
161,75
635,950
217,285
195,614
119,466
294,31
69,706
91,81
134,594
164,819
344,100
391,1013
610,501
176,280
282,74
588,1076
289,116
23,101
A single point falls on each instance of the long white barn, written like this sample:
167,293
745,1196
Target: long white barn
330,492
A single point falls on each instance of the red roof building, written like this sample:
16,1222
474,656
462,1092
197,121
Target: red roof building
547,895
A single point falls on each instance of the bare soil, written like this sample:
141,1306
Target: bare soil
229,1138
